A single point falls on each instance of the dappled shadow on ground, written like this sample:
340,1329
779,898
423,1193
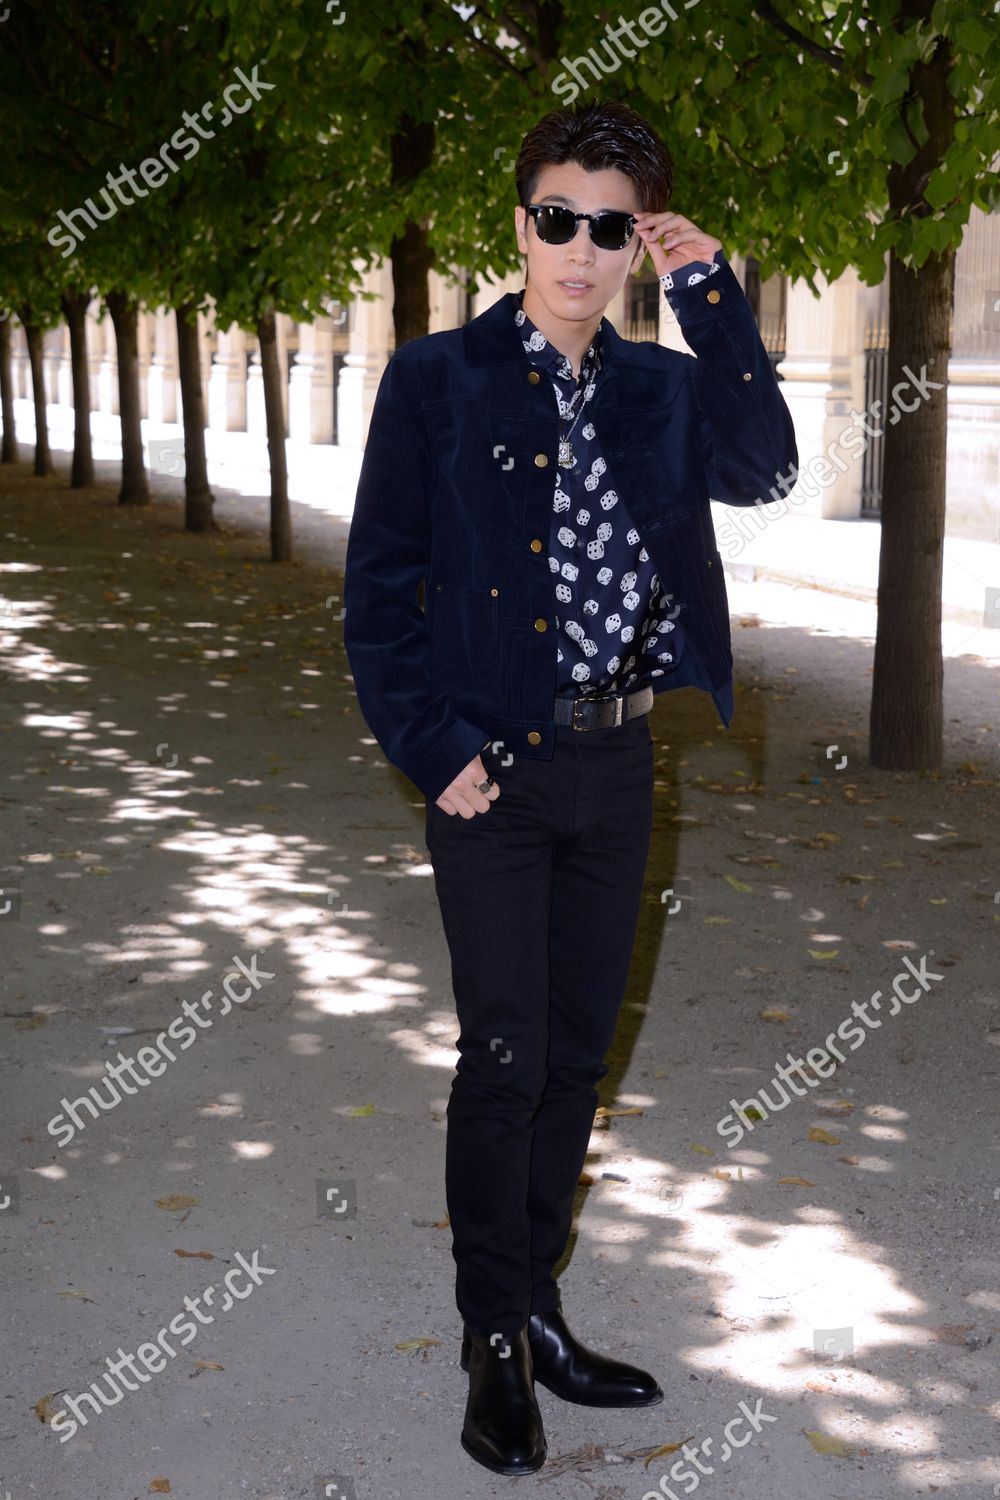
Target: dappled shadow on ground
189,779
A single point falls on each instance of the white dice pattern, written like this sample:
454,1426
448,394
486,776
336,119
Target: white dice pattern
583,589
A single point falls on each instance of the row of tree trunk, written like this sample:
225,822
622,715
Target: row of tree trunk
134,490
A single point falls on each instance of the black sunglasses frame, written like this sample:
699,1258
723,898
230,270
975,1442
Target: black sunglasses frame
594,224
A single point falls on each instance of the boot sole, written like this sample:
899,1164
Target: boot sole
578,1401
510,1469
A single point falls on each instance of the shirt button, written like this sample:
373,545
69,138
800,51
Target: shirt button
533,377
541,624
541,460
534,738
536,545
714,296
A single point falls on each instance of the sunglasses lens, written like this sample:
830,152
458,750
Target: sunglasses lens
611,231
555,226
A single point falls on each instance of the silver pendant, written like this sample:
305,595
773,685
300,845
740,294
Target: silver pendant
567,458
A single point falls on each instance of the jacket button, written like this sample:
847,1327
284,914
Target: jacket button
541,460
534,738
536,544
494,592
438,587
541,624
533,377
713,296
748,376
709,561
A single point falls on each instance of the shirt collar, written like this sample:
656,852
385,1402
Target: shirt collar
540,352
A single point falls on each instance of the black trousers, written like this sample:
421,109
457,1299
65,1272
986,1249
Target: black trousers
539,900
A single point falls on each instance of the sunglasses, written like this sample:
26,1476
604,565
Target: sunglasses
554,225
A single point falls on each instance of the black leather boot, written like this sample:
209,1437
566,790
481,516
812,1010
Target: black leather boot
568,1369
503,1426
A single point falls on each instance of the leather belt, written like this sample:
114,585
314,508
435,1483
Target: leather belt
603,713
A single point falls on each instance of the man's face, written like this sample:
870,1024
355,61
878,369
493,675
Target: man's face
550,267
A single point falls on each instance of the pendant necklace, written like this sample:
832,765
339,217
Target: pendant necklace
567,458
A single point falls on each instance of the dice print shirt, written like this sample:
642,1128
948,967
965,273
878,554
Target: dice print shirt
616,628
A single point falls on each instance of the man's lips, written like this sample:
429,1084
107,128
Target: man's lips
572,281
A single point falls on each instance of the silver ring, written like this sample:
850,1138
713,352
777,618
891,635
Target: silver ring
484,786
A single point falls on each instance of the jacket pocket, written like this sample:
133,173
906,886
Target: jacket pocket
464,633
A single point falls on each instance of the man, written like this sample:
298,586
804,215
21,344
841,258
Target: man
548,484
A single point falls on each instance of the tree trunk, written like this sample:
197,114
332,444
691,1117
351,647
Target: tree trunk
8,450
411,152
33,335
75,312
198,498
906,718
125,316
281,520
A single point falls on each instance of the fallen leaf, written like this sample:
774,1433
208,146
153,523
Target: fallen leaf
176,1201
603,1111
702,1150
817,1133
44,1410
820,1387
773,1015
835,1107
160,1487
208,1364
32,1024
738,885
796,1181
721,1174
667,1448
195,1254
585,1179
417,1343
824,1443
364,1109
823,952
952,1333
717,921
442,1223
850,1161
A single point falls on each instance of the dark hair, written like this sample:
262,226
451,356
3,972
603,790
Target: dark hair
598,136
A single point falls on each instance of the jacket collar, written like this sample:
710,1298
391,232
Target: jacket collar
492,339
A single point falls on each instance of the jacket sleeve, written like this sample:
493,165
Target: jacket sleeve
386,634
746,432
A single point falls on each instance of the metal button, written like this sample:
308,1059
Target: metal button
713,296
541,460
709,561
534,738
533,377
438,587
541,624
494,592
748,376
536,544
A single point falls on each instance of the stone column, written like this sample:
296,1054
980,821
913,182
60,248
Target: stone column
824,375
107,369
310,390
371,336
228,383
146,326
163,374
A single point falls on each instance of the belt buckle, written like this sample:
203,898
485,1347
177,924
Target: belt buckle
619,709
577,703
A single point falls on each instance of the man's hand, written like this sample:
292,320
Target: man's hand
462,796
672,241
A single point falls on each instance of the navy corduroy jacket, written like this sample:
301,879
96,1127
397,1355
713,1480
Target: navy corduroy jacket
454,504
